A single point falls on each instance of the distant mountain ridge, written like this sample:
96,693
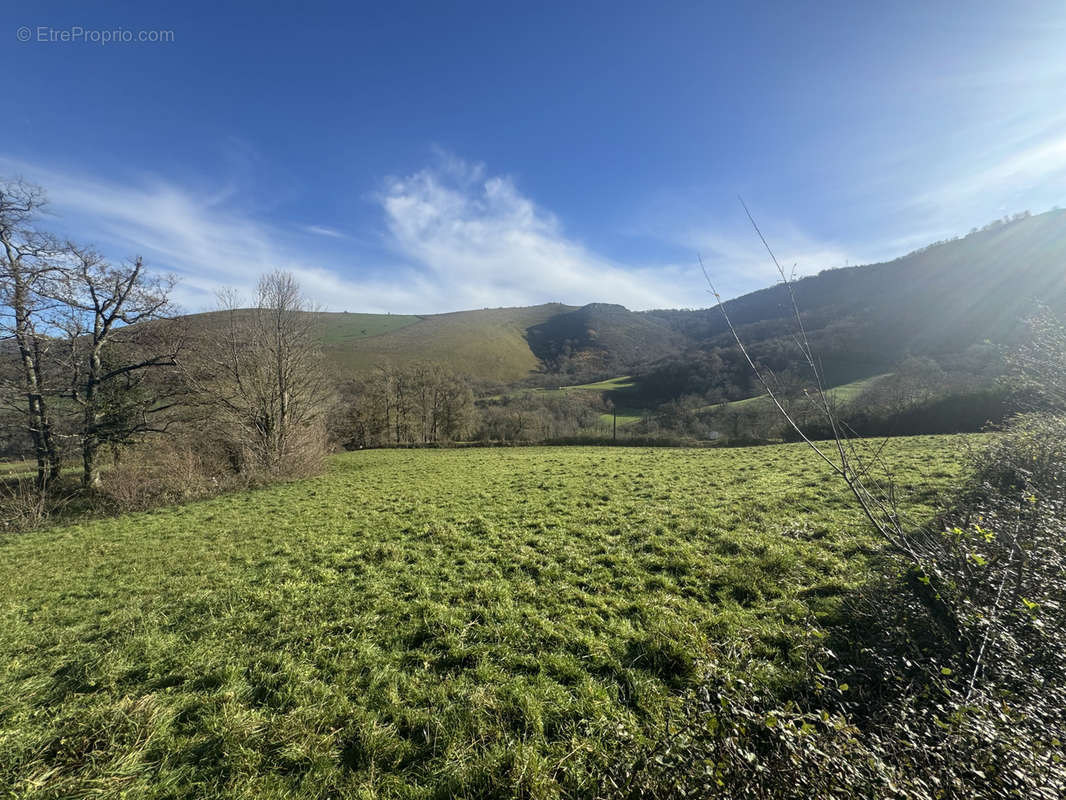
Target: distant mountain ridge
941,299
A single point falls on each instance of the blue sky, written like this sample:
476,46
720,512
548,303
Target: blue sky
439,156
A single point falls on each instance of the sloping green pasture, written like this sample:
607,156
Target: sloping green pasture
844,393
415,623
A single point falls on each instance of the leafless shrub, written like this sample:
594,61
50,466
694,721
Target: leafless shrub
170,472
1038,365
23,506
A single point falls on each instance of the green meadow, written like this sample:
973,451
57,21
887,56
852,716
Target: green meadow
489,344
625,415
433,623
838,394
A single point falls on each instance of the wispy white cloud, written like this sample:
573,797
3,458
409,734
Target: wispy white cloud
459,238
739,263
1028,168
487,244
891,214
322,230
731,251
206,240
452,236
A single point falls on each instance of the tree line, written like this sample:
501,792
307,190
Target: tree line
95,358
420,404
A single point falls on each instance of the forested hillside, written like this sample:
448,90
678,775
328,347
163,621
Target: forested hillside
944,299
940,299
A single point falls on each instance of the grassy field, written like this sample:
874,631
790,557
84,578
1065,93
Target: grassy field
839,394
489,343
415,623
619,386
621,383
626,415
610,385
18,469
341,330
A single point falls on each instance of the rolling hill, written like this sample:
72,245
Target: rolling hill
488,344
940,300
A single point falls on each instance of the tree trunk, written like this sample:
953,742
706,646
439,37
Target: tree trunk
90,476
38,443
22,279
40,433
48,442
90,443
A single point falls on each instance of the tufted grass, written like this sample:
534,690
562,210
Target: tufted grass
416,623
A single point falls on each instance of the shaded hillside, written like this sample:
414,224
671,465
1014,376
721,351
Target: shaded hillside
941,299
602,337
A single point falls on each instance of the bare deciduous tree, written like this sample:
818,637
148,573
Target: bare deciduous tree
28,257
110,316
421,403
264,376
